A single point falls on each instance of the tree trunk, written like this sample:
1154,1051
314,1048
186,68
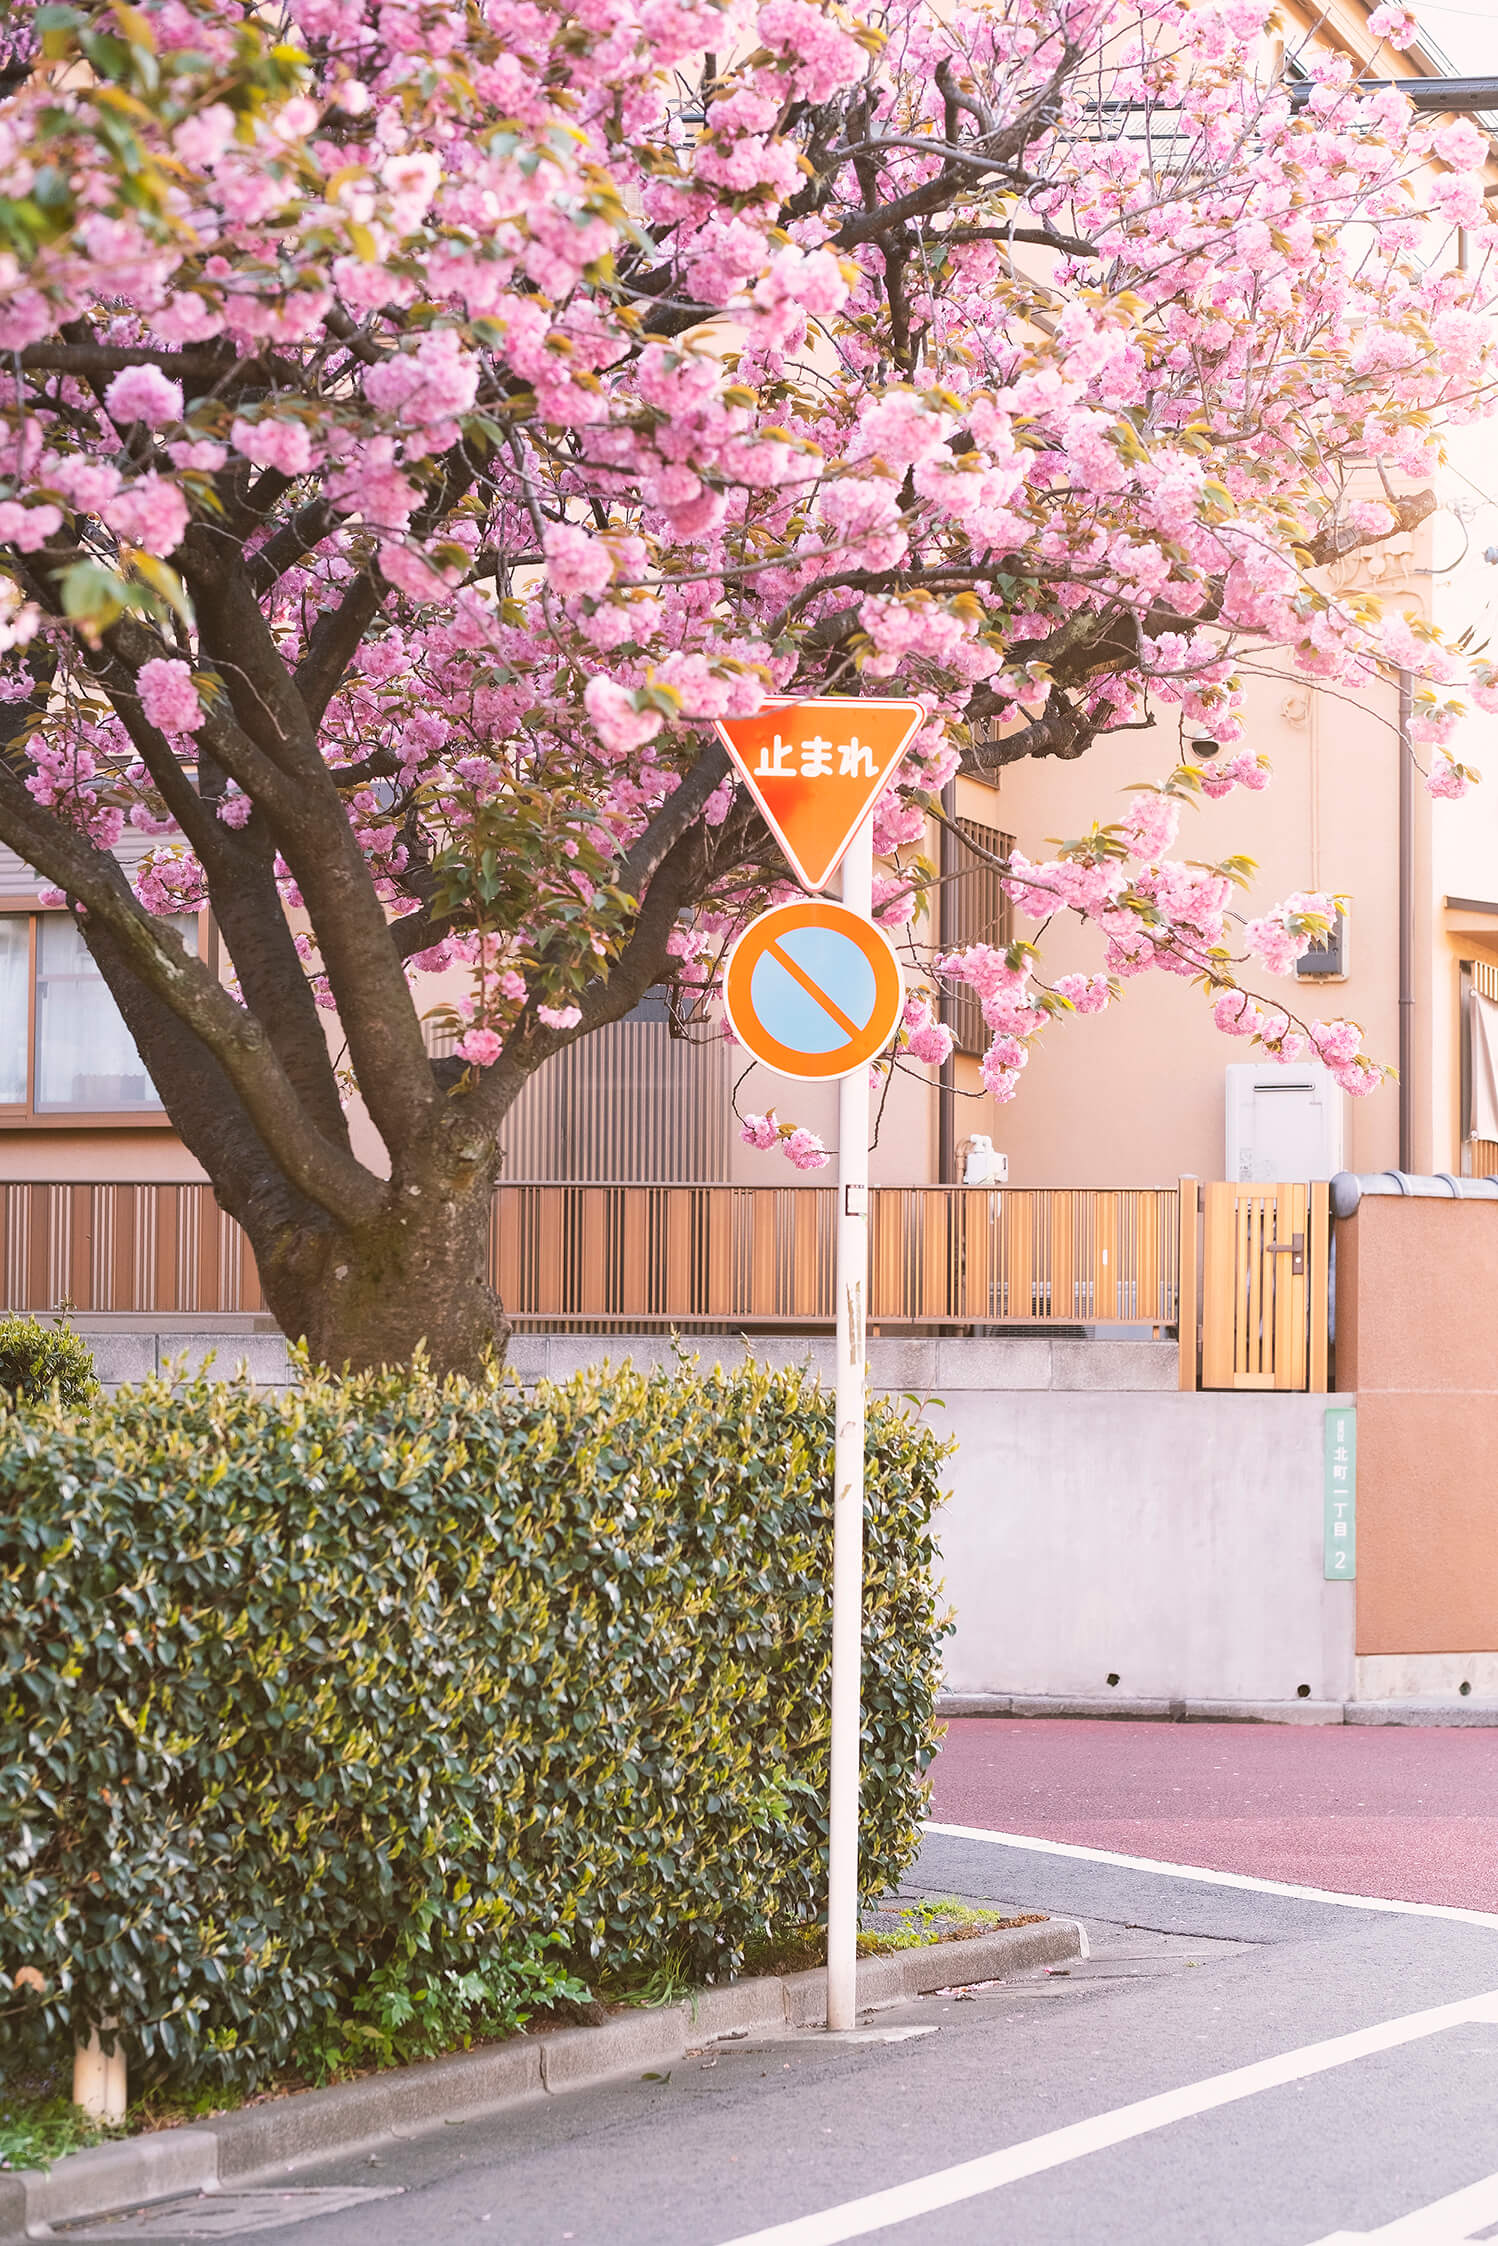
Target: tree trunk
414,1278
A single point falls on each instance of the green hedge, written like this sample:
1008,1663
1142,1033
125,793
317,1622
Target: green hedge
292,1684
36,1359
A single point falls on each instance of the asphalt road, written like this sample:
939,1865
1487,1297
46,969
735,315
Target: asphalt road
1092,2103
1369,1810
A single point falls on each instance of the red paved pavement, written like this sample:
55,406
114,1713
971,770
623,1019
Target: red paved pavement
1409,1814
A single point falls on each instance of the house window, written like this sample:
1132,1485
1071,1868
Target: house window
1325,961
974,910
15,1009
64,1047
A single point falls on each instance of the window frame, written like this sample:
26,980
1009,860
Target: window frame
15,1116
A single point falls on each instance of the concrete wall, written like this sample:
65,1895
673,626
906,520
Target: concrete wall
122,1353
1172,1542
1417,1336
933,1368
1098,1522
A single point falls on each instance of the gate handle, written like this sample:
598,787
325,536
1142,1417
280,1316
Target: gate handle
1294,1248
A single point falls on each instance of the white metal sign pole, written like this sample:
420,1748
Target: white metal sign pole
847,1508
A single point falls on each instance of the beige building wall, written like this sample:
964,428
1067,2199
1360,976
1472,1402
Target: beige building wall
1136,1096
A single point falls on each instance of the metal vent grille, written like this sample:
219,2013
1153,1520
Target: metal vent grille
629,1103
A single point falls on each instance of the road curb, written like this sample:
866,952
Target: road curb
1446,1713
1054,1704
284,2134
106,2177
1438,1712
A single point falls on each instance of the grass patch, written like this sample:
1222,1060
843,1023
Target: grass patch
39,2123
932,1919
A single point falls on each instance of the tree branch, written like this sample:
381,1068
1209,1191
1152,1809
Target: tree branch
681,808
156,956
1339,537
295,539
109,358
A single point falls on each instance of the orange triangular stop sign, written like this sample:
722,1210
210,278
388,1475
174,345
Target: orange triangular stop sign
817,768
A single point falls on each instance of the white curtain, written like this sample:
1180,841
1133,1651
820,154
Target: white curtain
1483,1020
85,1057
15,961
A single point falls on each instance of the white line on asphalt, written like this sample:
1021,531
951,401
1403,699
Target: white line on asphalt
871,2035
1215,1879
970,2179
1446,2222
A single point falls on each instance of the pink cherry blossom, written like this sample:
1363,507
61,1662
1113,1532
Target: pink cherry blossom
274,441
481,1046
1152,825
151,513
804,1150
820,54
925,1038
621,726
1395,23
144,394
28,528
168,696
1448,779
576,562
1088,994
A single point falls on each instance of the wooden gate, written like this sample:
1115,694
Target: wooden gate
1264,1302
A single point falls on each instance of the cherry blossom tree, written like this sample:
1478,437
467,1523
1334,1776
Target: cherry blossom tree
421,421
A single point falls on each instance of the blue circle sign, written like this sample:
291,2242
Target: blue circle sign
813,990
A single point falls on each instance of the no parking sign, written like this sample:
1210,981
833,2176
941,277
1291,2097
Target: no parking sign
813,990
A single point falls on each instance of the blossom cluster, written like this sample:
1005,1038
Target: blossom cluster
801,1148
572,374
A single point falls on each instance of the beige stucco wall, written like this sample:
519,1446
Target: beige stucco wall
154,1154
1136,1096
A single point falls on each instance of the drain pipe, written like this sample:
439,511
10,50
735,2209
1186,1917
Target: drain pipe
946,1078
1406,926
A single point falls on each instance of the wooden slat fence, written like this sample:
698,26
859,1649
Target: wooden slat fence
651,1255
124,1247
686,1255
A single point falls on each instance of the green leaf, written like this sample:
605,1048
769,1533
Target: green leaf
93,597
162,578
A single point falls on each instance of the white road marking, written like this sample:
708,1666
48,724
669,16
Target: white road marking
869,2035
970,2179
1215,1879
1446,2222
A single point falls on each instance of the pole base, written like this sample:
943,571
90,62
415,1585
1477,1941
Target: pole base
99,2086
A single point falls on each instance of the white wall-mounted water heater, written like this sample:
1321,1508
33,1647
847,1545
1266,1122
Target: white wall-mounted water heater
1284,1122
